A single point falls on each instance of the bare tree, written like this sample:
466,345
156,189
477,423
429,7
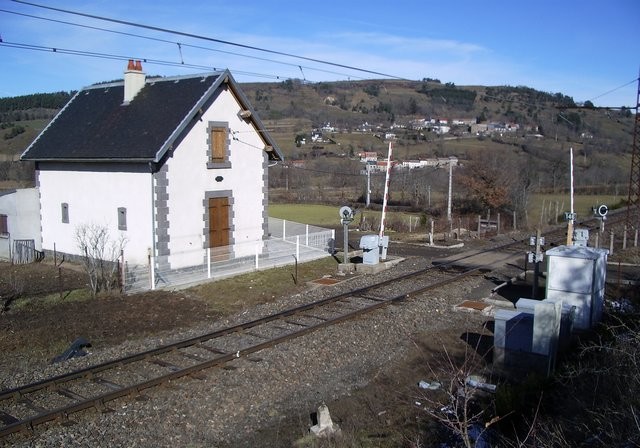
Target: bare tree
16,286
489,179
101,254
461,400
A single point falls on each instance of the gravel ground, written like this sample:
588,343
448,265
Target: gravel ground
264,399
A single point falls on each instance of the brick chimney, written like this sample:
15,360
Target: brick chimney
134,79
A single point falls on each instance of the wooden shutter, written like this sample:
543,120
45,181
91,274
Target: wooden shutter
218,145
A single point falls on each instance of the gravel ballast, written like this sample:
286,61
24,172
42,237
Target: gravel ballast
263,399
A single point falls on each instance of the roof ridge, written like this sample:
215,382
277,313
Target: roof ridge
153,79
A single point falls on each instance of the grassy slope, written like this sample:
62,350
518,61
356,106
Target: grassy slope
327,216
16,145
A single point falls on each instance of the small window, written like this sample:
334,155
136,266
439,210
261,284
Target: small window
218,141
65,213
218,145
122,218
4,225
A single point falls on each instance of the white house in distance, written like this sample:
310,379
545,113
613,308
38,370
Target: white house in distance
20,225
173,165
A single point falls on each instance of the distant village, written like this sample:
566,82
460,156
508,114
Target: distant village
457,127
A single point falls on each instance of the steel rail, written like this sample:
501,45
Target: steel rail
99,401
54,384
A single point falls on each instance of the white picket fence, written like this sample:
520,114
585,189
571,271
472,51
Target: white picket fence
289,242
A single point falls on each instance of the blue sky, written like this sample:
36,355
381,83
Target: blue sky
586,49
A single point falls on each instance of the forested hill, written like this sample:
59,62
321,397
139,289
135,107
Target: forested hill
538,123
34,106
518,132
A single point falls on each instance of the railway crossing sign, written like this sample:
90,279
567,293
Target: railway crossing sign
346,215
601,211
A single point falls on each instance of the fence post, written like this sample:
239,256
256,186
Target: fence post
306,234
431,234
498,224
152,272
624,238
208,262
284,227
611,244
297,247
635,239
123,272
514,221
479,225
257,256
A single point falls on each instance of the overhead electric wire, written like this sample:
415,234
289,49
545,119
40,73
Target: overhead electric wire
180,44
121,58
210,39
633,81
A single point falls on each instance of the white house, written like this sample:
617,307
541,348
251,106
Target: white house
173,165
20,225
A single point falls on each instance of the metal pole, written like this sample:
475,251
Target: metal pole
450,185
386,193
257,258
295,277
345,258
611,244
368,185
570,221
536,264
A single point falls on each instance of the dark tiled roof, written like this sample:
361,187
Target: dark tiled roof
96,126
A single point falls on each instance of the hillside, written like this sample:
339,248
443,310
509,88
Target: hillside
517,129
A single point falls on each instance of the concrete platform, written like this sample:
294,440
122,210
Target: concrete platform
375,268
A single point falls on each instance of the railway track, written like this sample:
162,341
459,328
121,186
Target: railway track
57,398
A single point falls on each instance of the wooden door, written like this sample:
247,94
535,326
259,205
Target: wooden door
219,227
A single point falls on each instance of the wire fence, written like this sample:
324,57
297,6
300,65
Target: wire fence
288,242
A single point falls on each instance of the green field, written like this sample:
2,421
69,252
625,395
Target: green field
327,216
582,206
319,215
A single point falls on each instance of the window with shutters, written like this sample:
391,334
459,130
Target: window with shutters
218,140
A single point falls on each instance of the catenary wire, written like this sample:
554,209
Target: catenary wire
196,36
210,39
123,58
180,44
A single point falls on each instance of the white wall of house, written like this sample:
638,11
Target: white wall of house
22,209
189,179
93,198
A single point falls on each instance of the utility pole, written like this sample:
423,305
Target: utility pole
368,184
450,187
633,214
572,217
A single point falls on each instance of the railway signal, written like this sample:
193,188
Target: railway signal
346,217
600,212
